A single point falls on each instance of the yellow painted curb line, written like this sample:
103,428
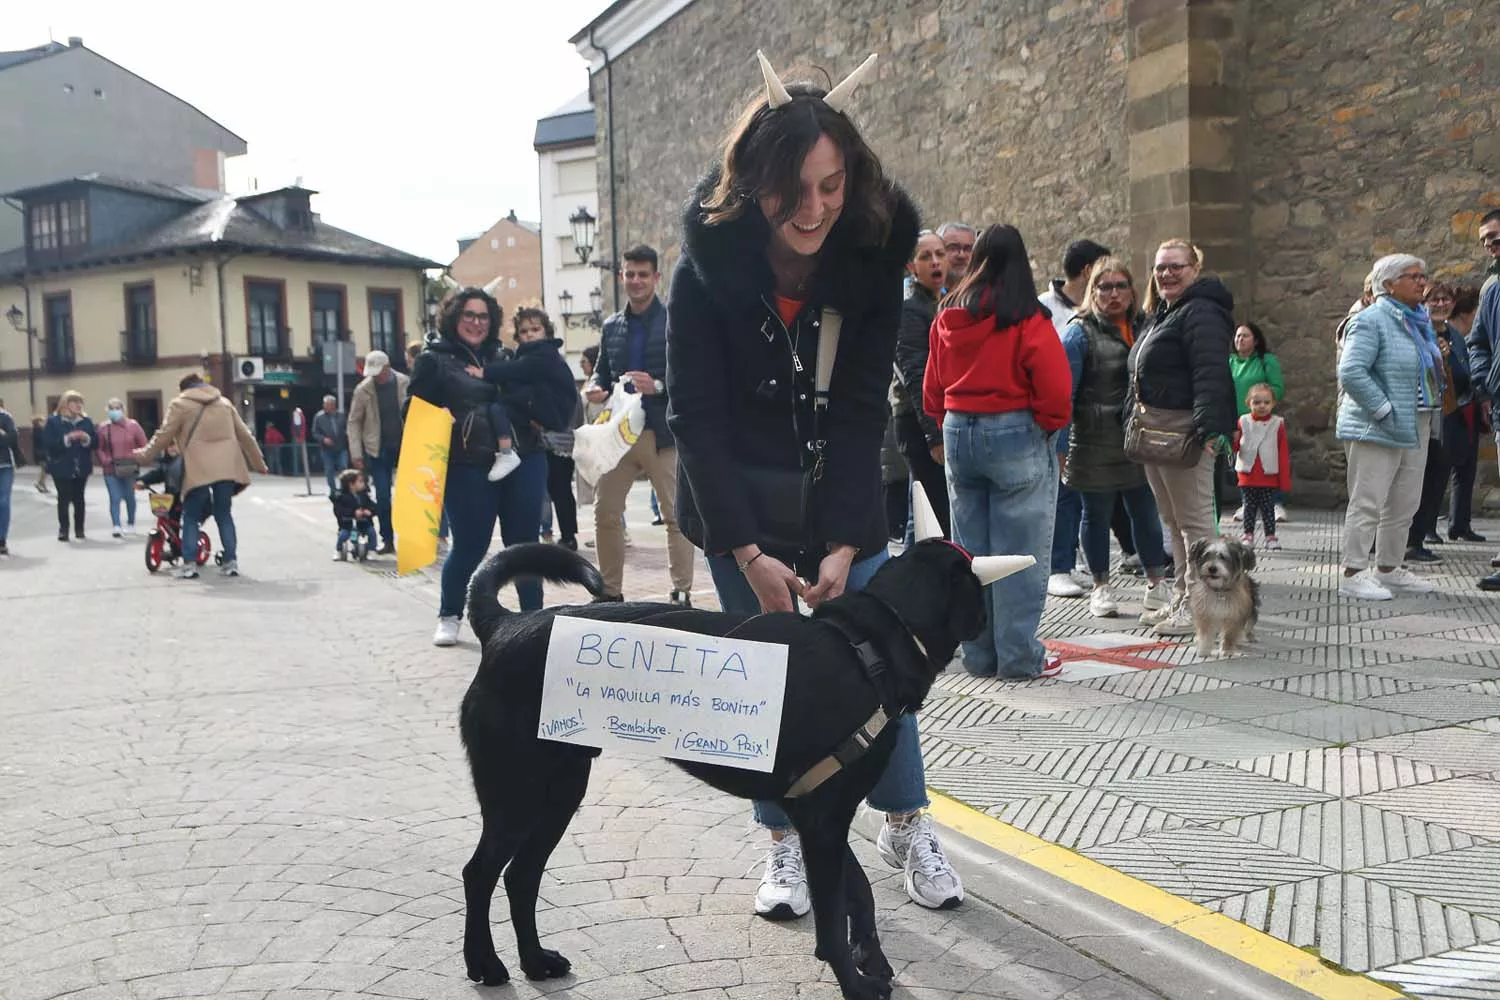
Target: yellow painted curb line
1240,941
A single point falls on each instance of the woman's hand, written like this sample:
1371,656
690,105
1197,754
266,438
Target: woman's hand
474,370
772,580
833,573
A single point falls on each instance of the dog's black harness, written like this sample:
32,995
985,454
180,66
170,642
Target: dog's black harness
853,748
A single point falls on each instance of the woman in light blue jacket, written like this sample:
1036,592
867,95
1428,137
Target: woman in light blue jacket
1391,381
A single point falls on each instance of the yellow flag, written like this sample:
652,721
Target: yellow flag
417,501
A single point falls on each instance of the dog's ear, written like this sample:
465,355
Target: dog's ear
1247,556
1196,550
966,603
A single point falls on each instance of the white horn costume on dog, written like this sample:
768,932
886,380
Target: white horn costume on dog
987,568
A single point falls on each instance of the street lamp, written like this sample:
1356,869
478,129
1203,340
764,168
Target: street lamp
18,320
583,233
566,301
596,302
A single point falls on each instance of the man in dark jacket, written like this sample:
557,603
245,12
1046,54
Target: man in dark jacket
332,439
11,459
917,435
634,347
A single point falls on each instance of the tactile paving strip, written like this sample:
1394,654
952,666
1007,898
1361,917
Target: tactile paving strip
1202,864
1471,804
1344,686
1447,704
1214,793
1345,771
1469,878
1346,836
1345,723
1085,818
1462,974
1229,741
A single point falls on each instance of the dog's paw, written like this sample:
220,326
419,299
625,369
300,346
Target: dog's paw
1223,653
869,959
545,964
862,987
1203,650
487,970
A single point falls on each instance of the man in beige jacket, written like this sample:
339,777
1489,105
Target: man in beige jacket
375,422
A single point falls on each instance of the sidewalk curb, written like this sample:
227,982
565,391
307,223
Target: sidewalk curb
1162,941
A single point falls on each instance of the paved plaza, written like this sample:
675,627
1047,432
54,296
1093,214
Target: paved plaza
254,788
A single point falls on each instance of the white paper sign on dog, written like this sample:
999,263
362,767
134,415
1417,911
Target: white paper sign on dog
641,688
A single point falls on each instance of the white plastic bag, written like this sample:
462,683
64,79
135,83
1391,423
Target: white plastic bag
598,447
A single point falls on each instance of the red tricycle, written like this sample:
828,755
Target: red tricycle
164,542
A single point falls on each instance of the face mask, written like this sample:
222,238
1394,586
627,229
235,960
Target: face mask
117,415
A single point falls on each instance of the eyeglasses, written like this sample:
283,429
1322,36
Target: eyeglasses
1417,276
1172,268
483,317
1105,287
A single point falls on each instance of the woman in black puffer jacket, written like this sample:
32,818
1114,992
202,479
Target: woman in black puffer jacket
1179,363
469,338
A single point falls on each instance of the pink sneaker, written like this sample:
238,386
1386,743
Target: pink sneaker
1248,538
1272,544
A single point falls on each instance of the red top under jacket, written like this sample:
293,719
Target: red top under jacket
972,367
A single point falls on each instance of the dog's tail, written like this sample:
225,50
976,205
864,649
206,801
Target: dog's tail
552,563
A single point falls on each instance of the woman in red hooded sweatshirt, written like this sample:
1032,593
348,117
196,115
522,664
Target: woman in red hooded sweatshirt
998,381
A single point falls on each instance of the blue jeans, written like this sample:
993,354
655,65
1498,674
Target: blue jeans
7,479
903,786
365,528
1002,480
216,499
1145,529
381,469
1065,530
333,464
473,503
120,488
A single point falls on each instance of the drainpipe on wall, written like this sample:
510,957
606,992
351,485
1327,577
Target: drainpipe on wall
30,333
614,211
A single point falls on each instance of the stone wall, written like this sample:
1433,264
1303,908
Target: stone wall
1296,141
1369,129
984,119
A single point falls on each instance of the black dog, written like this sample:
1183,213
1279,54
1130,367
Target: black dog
907,622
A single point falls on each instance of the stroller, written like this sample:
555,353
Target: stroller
164,542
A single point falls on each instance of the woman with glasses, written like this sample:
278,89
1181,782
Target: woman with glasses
1393,379
1097,342
1177,364
445,375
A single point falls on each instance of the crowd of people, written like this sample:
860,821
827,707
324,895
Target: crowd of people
812,323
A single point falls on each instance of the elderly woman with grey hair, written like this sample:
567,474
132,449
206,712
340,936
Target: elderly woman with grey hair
1392,380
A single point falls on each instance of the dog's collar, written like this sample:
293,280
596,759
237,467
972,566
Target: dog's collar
843,755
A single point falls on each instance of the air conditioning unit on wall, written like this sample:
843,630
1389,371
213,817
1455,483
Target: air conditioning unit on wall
249,369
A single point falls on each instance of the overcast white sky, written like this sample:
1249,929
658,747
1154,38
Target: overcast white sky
415,126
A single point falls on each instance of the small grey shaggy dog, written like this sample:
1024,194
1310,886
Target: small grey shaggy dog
1226,601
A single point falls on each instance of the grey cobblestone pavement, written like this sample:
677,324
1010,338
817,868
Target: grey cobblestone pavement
1335,785
254,789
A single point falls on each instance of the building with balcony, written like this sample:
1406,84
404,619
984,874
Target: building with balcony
122,286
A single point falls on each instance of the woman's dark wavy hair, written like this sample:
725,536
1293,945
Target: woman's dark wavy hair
532,312
999,282
448,323
763,153
1262,346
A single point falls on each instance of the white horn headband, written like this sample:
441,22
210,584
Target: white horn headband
776,94
837,98
925,523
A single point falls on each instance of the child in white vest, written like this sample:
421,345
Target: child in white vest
1262,462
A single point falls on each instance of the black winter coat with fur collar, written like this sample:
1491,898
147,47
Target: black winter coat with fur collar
736,399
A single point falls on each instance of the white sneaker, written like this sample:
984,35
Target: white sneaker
1239,515
230,568
188,573
1063,585
1403,581
1158,597
1362,586
1179,621
446,633
1131,565
118,533
1281,515
340,555
506,462
913,845
783,887
1102,603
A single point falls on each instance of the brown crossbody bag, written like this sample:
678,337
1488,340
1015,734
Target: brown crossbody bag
1158,436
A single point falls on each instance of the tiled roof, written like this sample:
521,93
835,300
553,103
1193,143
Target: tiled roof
225,225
